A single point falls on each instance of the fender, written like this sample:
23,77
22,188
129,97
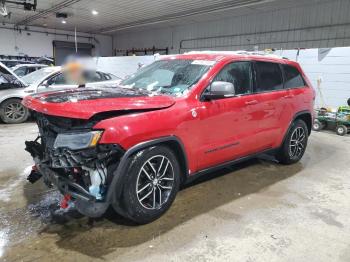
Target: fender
304,112
116,186
10,96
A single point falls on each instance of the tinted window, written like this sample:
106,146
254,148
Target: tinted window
59,79
292,77
239,74
269,77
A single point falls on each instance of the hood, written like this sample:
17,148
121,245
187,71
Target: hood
84,103
6,71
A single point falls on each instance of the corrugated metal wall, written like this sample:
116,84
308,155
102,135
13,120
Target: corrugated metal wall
320,24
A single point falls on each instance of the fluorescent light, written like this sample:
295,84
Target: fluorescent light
94,12
64,22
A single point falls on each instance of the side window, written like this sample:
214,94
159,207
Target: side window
92,77
106,76
3,80
20,71
31,69
59,79
239,74
292,77
269,77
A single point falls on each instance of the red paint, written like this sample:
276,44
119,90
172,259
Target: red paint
65,201
239,125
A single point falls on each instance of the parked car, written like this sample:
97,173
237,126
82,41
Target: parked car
11,62
13,89
25,69
180,117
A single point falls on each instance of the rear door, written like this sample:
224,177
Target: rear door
274,100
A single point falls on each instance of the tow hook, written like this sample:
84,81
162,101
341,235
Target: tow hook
34,175
66,201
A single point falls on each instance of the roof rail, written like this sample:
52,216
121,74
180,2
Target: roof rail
240,52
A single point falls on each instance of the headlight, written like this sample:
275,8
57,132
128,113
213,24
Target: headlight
78,140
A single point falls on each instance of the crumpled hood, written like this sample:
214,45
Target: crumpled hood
83,103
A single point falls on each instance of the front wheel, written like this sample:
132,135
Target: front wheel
341,130
317,126
294,145
13,112
151,184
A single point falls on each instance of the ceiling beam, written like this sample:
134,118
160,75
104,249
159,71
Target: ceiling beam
45,12
176,16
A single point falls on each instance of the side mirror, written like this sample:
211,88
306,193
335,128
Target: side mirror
219,90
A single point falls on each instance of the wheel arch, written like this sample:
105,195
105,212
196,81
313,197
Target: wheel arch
10,97
173,142
306,117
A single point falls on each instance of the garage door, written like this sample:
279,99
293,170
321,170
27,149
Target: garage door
63,49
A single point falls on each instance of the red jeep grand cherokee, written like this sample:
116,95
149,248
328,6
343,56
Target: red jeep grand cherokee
133,146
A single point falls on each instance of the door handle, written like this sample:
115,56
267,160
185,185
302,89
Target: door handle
251,102
288,96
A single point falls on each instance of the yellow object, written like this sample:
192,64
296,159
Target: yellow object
95,138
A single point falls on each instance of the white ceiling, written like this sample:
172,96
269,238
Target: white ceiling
117,15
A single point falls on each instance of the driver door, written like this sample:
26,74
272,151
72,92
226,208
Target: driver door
55,83
229,126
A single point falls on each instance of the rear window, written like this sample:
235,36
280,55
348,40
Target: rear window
293,78
269,77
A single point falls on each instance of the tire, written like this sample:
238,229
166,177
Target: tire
13,112
294,144
317,126
341,130
146,197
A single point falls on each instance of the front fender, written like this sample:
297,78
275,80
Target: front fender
116,186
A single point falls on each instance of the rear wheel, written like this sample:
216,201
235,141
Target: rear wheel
151,184
341,130
294,145
13,112
317,126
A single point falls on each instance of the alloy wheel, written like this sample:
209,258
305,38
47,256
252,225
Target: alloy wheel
14,111
297,142
155,182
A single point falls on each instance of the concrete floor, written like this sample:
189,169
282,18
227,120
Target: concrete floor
257,211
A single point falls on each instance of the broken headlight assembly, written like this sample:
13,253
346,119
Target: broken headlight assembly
76,141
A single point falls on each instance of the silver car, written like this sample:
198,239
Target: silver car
25,69
13,88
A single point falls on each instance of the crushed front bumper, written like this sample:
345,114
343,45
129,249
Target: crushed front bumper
63,175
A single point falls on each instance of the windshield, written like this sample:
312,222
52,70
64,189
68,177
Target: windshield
38,75
173,77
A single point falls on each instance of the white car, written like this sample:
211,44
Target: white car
13,88
25,69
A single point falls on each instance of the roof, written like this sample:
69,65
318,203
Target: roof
221,55
29,65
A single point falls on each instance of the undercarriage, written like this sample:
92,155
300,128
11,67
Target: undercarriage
83,175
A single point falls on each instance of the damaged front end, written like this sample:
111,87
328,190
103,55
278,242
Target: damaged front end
67,155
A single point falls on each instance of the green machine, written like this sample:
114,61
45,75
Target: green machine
338,121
